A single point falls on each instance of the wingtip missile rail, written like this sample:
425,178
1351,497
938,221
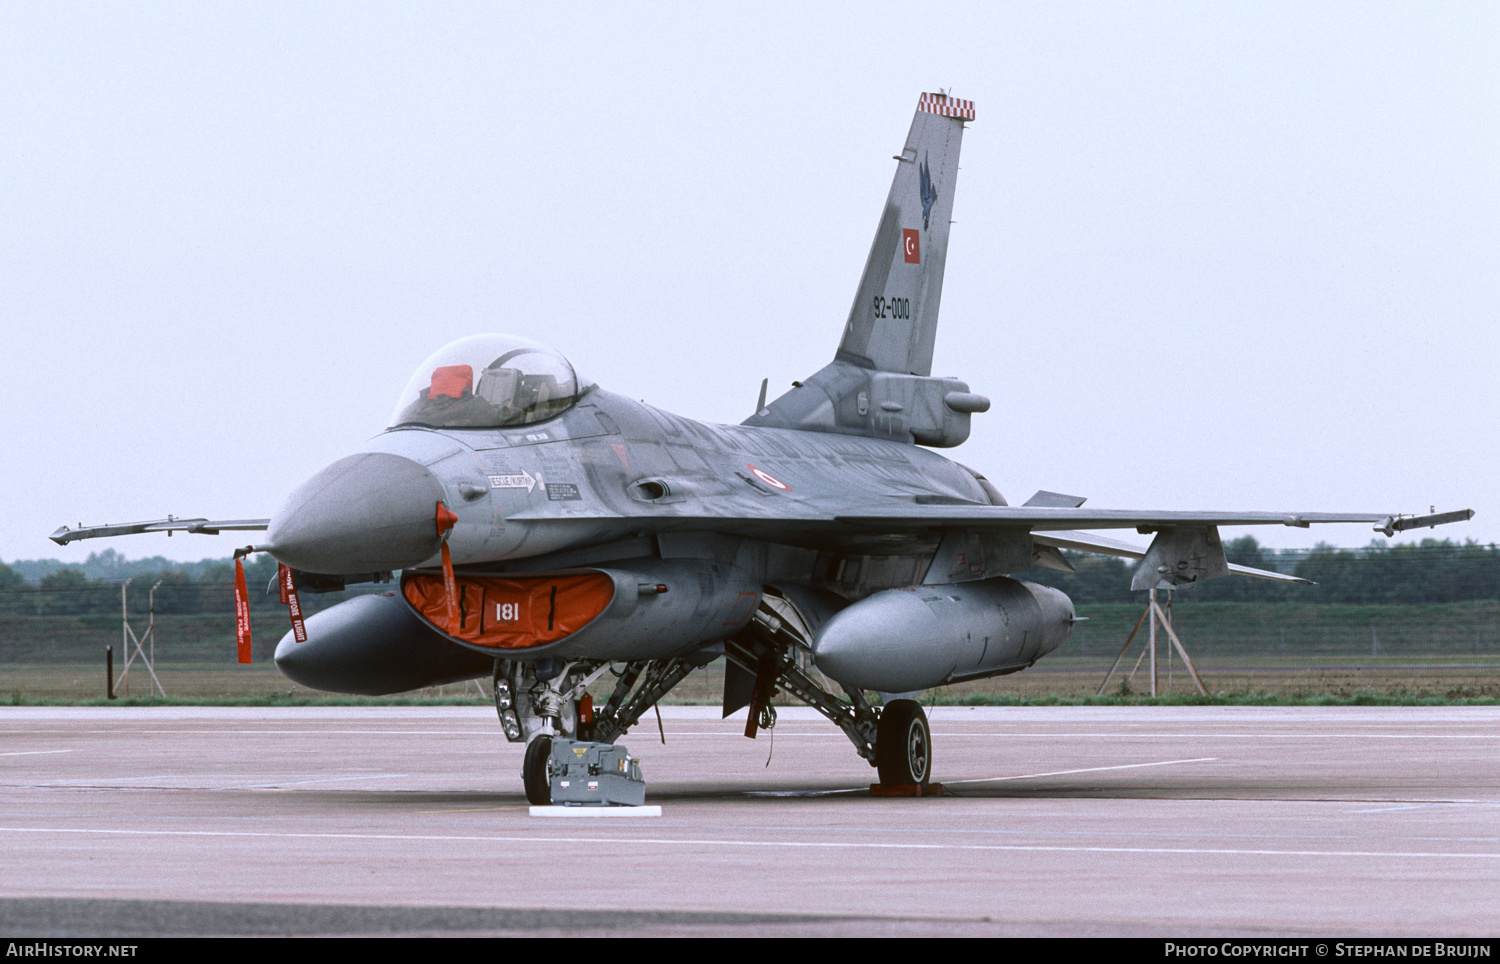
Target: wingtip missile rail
169,525
1394,524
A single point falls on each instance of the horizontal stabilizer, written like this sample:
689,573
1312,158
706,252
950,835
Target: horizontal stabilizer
1055,500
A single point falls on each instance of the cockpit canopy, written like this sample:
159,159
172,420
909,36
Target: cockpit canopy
488,381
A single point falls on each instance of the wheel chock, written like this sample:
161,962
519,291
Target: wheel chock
906,790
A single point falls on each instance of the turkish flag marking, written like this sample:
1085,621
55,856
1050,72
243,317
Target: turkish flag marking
911,242
241,611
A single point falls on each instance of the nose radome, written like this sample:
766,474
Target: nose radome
364,513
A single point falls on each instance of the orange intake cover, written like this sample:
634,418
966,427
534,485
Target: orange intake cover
512,612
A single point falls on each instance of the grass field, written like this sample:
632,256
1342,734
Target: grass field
1246,652
1057,679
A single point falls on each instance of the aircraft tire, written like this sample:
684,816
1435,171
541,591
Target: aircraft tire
903,744
534,772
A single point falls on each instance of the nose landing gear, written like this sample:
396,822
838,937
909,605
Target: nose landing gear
546,701
536,771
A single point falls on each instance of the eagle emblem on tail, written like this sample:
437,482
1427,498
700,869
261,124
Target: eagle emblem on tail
929,193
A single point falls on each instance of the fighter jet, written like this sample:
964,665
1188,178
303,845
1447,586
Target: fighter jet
548,534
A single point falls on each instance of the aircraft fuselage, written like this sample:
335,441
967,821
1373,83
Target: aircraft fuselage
613,469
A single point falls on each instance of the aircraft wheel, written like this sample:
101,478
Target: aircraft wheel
535,772
903,744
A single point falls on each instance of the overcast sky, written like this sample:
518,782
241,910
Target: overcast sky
1212,256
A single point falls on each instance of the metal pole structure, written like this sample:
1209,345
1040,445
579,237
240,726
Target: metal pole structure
1155,613
109,672
150,655
1182,650
128,635
151,623
1167,624
1123,650
125,636
1152,616
1142,657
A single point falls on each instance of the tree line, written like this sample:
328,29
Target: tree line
1432,571
207,587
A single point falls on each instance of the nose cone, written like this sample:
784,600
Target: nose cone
364,513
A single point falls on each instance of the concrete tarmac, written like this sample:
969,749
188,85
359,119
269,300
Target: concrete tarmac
1131,821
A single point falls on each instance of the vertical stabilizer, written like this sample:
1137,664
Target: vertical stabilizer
880,383
893,321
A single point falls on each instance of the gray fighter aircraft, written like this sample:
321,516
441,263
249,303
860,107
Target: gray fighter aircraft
547,531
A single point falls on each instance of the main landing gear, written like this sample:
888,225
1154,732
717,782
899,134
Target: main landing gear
903,745
895,739
548,698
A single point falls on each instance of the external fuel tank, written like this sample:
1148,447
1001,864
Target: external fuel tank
918,637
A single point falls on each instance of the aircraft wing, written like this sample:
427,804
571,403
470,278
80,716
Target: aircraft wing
1083,542
1044,518
211,527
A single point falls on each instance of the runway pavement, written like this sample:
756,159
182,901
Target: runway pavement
1135,821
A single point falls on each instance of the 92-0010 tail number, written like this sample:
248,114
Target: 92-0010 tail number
892,307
